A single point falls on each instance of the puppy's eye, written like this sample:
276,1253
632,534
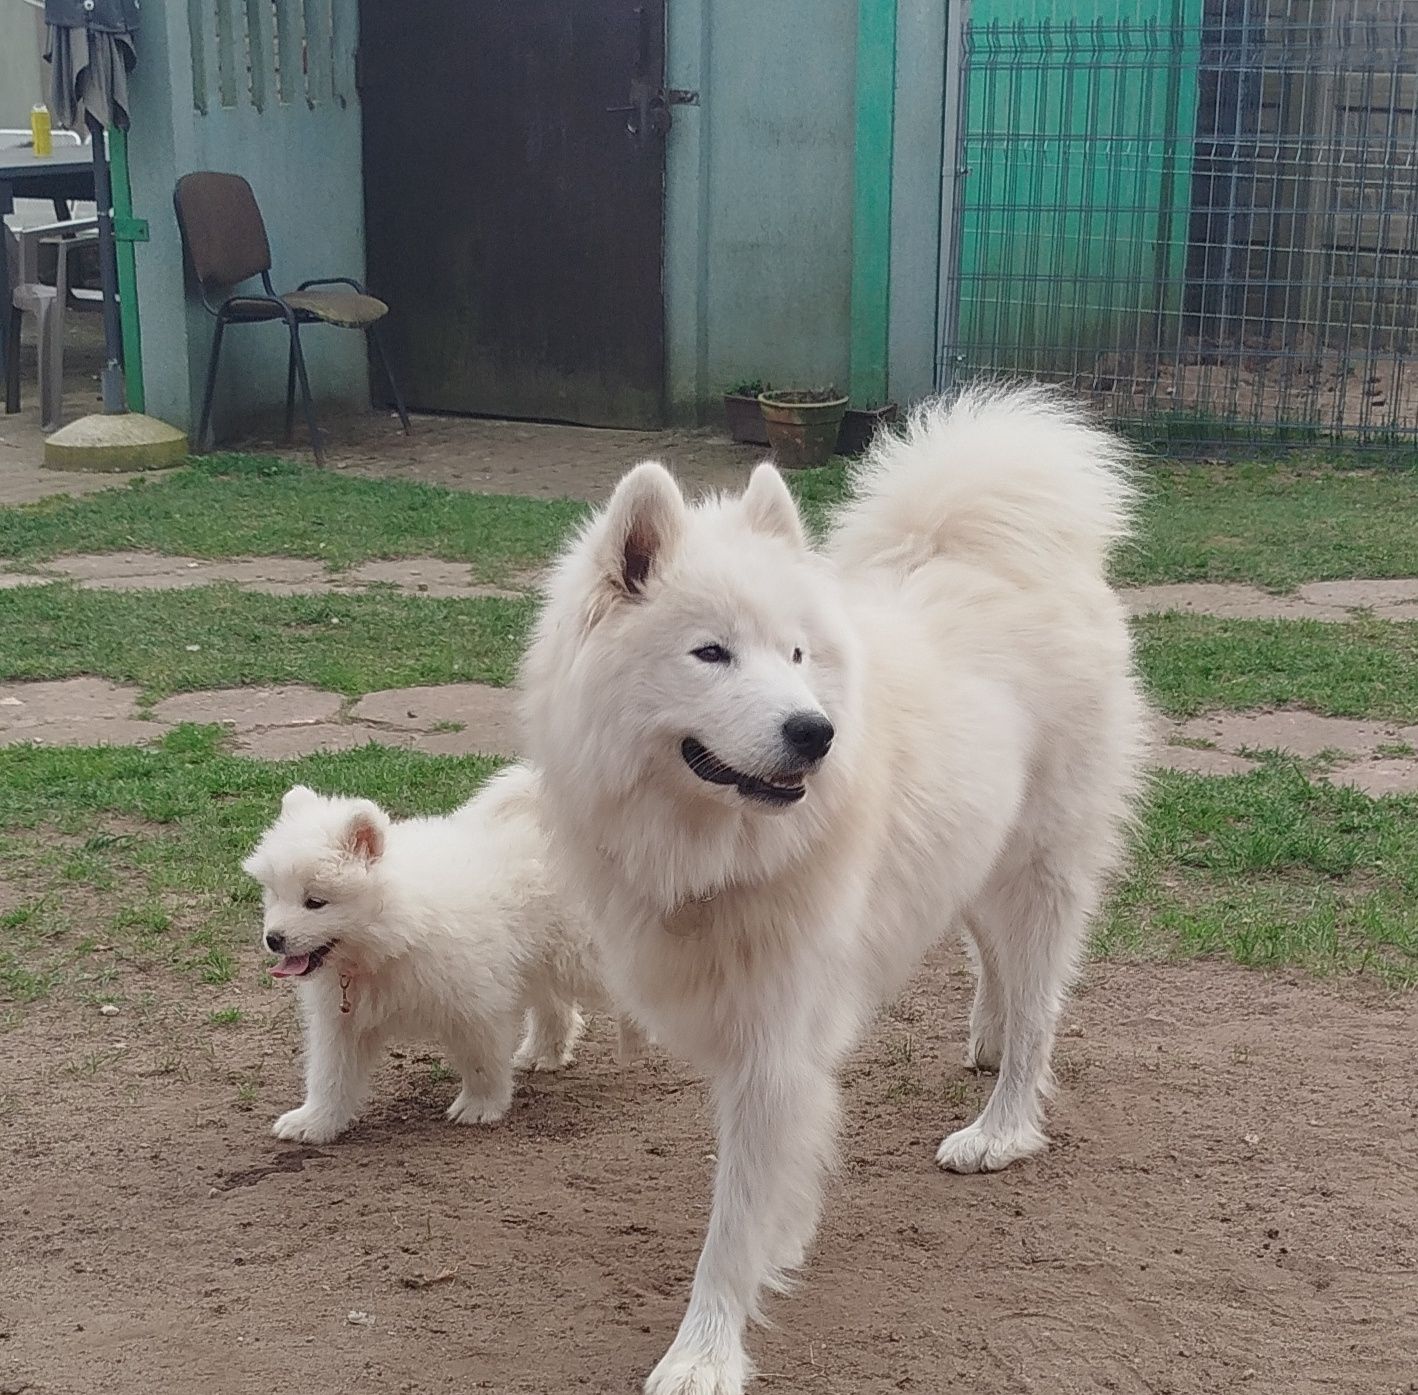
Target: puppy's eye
712,654
314,903
797,656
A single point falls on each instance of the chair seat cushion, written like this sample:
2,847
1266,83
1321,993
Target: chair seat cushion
246,311
338,307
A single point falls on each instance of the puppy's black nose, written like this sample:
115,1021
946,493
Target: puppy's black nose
808,734
275,943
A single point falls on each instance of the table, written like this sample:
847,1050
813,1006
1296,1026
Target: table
66,175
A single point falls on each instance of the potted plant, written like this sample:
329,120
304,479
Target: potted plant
861,424
745,418
802,424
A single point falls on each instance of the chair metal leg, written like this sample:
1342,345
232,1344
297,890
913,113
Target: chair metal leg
51,364
12,362
376,339
201,442
309,405
290,389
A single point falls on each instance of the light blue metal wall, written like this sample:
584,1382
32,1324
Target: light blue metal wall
759,196
295,135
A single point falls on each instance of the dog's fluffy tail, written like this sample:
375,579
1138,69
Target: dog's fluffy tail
1016,479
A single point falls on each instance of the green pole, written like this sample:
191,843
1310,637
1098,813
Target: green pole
871,199
126,231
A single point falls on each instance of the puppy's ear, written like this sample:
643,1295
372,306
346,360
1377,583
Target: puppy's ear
769,508
297,797
641,528
366,832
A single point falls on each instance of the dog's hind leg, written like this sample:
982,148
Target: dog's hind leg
482,1055
630,1043
987,1012
1030,925
554,1026
777,1117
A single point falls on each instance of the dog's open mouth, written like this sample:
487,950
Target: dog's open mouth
787,788
298,965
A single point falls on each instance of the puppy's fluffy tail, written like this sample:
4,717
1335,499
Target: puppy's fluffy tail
1016,479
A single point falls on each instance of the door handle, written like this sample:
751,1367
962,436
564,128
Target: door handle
647,112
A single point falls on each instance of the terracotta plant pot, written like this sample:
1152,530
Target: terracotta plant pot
745,419
861,425
802,426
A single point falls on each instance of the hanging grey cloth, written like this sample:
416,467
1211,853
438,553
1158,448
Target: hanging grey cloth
91,50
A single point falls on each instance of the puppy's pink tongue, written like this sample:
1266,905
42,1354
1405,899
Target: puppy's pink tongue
292,966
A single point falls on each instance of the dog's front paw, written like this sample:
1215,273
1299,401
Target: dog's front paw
686,1371
469,1108
975,1149
307,1125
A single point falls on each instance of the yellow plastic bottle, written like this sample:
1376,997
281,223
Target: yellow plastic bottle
41,132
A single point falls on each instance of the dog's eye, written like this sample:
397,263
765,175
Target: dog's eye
314,903
797,656
712,654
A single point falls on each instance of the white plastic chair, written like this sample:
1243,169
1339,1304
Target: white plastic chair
41,304
45,305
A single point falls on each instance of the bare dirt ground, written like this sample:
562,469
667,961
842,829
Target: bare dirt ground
1229,1206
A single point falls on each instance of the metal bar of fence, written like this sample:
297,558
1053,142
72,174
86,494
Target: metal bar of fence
1209,227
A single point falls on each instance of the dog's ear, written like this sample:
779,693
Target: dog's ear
366,831
641,527
770,509
297,797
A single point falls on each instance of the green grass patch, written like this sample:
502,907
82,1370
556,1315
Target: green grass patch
218,637
1275,525
237,506
1366,668
1270,869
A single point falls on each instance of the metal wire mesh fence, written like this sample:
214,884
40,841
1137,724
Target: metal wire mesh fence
1211,228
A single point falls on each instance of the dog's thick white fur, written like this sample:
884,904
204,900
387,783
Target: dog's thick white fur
756,896
446,928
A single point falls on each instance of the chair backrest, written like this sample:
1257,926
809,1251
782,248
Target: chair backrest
221,227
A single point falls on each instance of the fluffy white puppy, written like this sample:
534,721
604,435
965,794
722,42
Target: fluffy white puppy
444,928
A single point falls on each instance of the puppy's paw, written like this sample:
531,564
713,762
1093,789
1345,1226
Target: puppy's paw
630,1044
536,1055
307,1125
470,1108
973,1149
685,1371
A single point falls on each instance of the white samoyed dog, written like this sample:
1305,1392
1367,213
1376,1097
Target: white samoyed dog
779,773
446,928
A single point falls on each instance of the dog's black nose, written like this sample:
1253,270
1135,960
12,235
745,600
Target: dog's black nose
809,734
275,943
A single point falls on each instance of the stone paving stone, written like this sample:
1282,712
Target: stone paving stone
64,700
1299,733
478,706
1226,600
287,705
1378,777
285,743
1198,761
